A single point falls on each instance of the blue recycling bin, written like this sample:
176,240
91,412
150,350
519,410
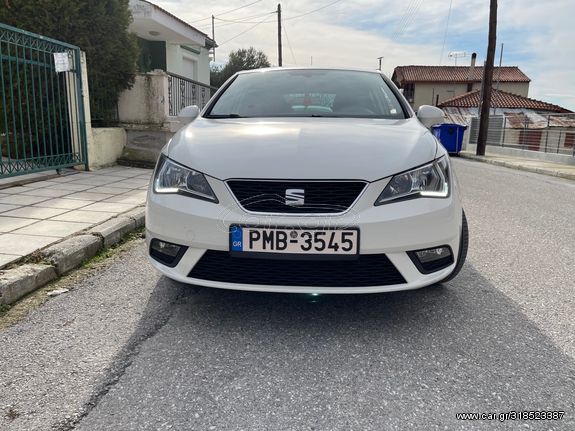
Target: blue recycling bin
450,135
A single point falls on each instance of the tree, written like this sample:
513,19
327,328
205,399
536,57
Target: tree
100,28
242,59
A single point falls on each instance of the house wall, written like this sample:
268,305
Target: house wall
107,146
146,102
189,62
426,93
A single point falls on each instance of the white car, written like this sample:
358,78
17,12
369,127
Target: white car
307,180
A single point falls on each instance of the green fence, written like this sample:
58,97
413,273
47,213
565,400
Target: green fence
42,121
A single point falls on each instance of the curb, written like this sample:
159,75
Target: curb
520,167
67,255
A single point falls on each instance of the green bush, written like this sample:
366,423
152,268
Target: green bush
98,27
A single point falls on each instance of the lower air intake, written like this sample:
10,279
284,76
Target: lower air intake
367,270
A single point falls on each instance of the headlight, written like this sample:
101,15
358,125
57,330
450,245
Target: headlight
171,177
431,180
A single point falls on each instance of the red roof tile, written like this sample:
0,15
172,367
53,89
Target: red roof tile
501,99
404,74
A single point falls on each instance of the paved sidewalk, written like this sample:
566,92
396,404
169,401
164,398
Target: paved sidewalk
530,165
35,215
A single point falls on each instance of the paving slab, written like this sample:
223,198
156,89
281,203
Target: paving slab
97,181
37,213
89,196
69,204
34,215
5,259
109,207
12,191
129,198
22,245
83,216
22,200
53,228
8,224
39,184
7,207
51,193
65,179
110,190
71,186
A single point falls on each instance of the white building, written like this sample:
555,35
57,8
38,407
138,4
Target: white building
170,44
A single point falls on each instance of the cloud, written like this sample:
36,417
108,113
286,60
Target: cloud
538,36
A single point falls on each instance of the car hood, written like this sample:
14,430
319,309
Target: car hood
303,148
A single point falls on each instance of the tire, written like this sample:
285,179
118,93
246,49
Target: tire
463,245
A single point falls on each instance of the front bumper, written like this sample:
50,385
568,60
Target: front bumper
392,229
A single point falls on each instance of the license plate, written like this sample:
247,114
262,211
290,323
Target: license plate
245,239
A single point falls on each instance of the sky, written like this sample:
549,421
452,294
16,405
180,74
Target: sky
538,36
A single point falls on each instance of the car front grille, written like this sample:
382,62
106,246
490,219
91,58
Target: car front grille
320,197
367,270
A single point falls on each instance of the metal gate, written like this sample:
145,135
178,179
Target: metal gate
42,122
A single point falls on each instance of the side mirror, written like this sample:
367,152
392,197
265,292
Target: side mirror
188,114
430,115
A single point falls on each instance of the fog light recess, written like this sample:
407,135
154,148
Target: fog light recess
432,259
166,253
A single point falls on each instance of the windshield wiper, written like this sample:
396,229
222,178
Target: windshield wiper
225,116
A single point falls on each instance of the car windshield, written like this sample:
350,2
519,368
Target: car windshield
308,93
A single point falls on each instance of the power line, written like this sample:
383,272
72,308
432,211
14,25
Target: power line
398,26
244,20
234,22
245,31
289,44
226,12
446,30
408,17
312,11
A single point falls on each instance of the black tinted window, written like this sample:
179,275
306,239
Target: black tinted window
308,93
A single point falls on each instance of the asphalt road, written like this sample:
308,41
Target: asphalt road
127,349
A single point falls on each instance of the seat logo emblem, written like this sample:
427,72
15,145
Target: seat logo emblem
295,197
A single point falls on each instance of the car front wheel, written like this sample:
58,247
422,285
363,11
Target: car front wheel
463,244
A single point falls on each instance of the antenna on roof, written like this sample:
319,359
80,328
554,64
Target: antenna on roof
457,54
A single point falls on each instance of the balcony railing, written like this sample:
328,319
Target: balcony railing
183,92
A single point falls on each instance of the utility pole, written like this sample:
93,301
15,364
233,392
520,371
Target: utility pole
379,58
213,37
279,35
487,80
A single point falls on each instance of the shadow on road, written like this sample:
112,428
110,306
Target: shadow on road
408,360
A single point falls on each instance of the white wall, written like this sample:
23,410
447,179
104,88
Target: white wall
107,146
147,101
188,64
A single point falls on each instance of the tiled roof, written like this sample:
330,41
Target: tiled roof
501,99
403,74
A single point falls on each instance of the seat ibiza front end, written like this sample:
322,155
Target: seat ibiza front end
307,180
